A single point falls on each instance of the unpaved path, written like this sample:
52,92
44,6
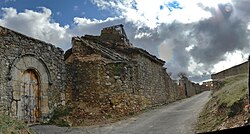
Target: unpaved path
176,118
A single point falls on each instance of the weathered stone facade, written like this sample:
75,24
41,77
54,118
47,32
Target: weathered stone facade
117,77
31,77
189,88
100,76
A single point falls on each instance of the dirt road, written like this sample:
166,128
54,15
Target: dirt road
176,118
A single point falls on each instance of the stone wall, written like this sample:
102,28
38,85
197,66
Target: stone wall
104,77
104,85
151,79
238,69
189,88
20,56
105,82
141,76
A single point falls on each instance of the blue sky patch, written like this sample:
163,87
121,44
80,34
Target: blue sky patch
173,5
161,7
63,11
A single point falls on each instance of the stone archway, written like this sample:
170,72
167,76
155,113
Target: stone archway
30,81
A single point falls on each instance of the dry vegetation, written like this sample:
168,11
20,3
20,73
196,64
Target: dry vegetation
226,107
12,126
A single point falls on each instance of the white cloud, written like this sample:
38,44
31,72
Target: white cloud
189,48
92,26
142,35
151,13
85,21
195,68
231,60
38,25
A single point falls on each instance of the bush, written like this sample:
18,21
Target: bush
58,116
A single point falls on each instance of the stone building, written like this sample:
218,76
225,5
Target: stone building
102,68
208,84
31,77
99,77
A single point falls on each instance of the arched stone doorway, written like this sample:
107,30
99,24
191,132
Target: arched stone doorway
30,81
29,104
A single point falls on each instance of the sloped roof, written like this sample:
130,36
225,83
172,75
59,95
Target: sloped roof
125,50
106,52
106,45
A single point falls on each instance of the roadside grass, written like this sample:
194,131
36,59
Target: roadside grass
225,104
9,125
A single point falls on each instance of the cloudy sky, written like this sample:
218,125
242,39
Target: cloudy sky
197,37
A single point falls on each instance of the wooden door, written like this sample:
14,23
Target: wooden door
29,105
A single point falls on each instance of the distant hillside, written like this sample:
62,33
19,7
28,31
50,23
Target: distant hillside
226,106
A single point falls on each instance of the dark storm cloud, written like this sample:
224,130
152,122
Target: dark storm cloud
217,38
218,35
173,35
176,37
212,38
180,59
243,7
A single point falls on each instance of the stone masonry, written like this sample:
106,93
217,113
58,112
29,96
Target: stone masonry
107,74
32,76
235,70
100,78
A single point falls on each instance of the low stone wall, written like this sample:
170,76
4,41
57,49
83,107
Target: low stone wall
238,69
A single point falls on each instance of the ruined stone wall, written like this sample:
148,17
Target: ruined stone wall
19,53
238,69
189,88
108,82
119,38
90,75
180,91
101,90
151,80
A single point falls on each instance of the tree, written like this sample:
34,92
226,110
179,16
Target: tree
182,75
